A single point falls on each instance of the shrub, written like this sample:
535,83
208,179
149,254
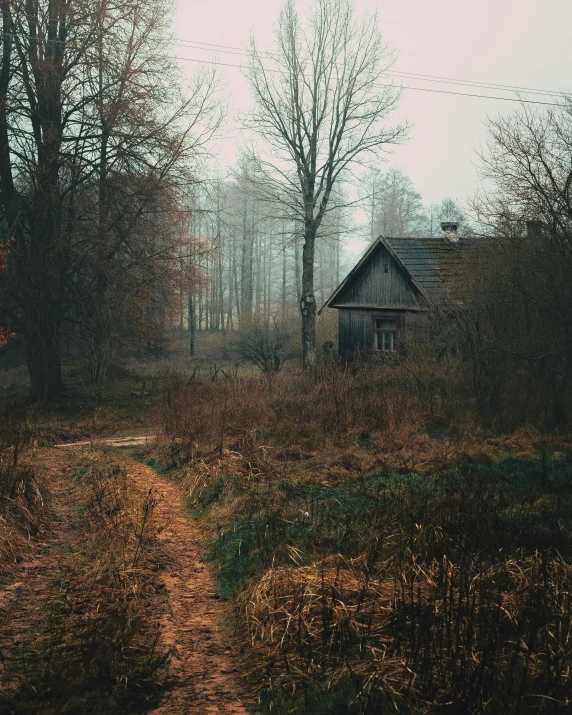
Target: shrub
266,344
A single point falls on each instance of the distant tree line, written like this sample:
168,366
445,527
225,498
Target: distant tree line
247,251
247,248
396,209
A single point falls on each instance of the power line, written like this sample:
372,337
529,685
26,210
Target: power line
491,85
419,89
479,96
228,49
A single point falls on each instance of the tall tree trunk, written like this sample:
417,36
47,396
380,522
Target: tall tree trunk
283,268
308,300
322,253
268,274
192,324
297,276
258,271
263,274
337,264
235,279
221,292
45,261
200,324
43,310
207,296
246,278
229,325
42,332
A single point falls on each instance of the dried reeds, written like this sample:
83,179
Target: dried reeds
100,640
420,639
379,557
21,505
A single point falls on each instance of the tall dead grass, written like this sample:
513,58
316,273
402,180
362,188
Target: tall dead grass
336,400
98,649
437,637
21,509
382,549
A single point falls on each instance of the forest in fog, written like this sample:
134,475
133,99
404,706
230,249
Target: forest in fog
246,246
120,225
278,433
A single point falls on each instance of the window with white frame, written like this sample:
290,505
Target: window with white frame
385,335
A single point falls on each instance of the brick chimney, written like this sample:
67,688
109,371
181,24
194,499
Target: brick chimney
449,230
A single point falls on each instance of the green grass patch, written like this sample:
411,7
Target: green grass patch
458,550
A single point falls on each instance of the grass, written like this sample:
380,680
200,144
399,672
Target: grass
405,591
95,647
379,563
22,508
378,549
126,406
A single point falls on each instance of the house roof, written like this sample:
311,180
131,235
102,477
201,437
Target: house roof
429,262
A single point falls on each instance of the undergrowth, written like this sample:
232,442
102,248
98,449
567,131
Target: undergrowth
22,505
379,557
96,648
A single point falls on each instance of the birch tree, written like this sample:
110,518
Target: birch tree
321,105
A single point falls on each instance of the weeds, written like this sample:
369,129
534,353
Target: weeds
420,593
378,557
98,650
21,509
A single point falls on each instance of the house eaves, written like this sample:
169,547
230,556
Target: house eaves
381,241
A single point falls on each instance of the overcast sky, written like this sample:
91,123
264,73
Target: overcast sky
524,43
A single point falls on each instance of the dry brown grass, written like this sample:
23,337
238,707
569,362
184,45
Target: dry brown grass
21,509
98,648
383,549
412,639
386,409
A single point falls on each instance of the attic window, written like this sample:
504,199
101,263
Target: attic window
385,335
386,267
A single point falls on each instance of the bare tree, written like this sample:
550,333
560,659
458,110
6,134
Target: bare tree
5,334
447,210
92,132
265,343
395,207
321,104
519,326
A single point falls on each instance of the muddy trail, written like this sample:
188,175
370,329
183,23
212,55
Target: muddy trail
200,666
200,661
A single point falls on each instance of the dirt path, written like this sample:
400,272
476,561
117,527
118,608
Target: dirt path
200,664
133,441
200,661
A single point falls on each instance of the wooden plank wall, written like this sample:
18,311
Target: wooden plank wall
354,331
355,328
374,286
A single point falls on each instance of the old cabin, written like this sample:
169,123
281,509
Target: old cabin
382,301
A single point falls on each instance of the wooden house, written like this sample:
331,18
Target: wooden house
384,299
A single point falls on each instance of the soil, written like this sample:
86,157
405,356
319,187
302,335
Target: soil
201,662
134,441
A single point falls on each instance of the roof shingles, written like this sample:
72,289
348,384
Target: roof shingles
434,264
431,261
